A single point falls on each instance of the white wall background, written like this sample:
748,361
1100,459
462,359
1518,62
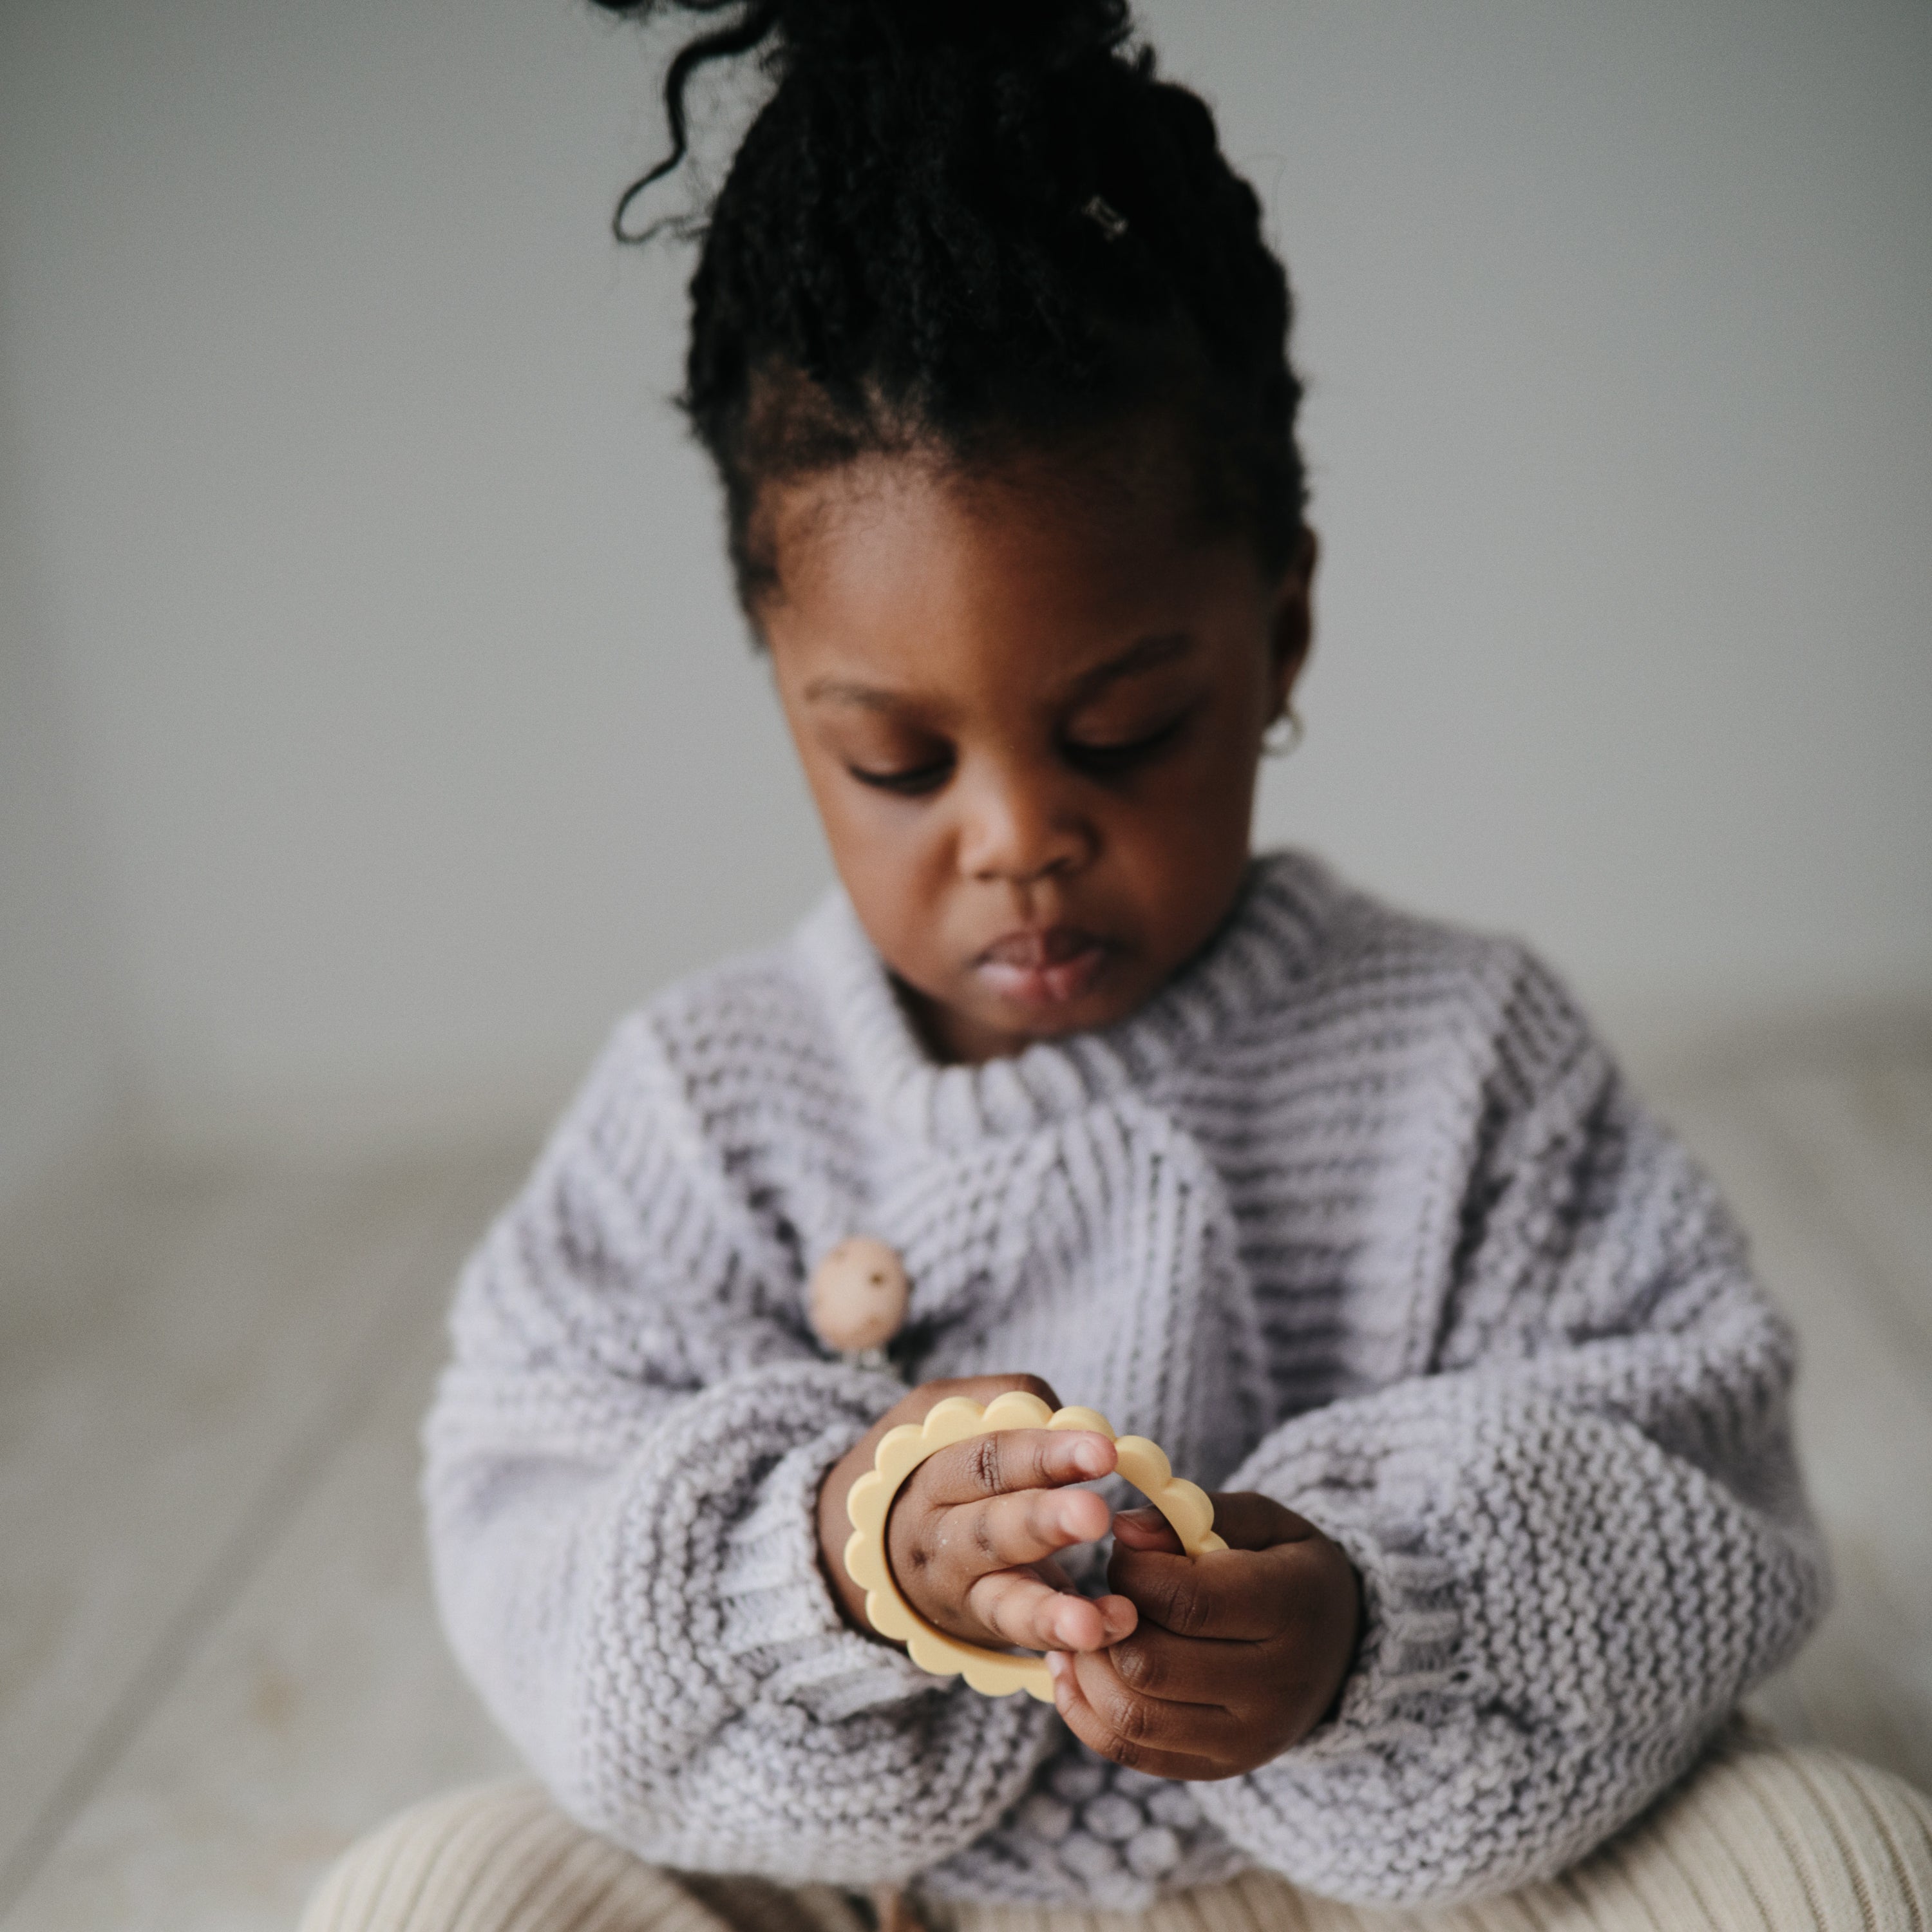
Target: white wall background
367,618
61,1060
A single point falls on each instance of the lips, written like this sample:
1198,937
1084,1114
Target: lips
1049,946
1044,966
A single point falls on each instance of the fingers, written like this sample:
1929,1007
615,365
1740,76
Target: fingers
1145,1529
1015,1459
1017,1607
1248,1593
1154,1663
1009,1532
967,1531
1246,1521
1223,1594
1258,1642
990,1504
833,1524
1024,1527
1163,1738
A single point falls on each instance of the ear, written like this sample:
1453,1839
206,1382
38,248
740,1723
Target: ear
1292,621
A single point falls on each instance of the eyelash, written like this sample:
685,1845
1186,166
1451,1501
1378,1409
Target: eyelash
908,784
1104,760
1097,760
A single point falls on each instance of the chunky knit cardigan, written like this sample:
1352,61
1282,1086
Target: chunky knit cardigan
1354,1212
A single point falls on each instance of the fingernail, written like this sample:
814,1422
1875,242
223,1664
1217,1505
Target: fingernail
1089,1458
1056,1664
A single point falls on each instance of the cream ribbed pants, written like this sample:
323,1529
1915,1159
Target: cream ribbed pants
1762,1838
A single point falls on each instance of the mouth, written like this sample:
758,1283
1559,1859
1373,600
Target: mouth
1047,966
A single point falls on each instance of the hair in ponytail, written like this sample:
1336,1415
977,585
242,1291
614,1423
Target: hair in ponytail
966,227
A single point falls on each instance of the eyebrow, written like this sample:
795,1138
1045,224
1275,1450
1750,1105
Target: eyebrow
1148,654
843,692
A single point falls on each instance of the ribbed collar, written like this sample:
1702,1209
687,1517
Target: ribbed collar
1251,964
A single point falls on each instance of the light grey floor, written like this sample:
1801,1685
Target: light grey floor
218,1660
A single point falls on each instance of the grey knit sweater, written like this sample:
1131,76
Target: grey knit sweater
1354,1212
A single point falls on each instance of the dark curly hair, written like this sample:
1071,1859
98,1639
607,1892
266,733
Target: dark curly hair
969,228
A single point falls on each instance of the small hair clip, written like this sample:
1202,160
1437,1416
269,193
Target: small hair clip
1105,216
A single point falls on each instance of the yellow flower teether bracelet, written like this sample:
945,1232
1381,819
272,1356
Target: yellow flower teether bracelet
996,1673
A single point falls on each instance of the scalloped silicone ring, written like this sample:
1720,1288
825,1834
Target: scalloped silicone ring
996,1673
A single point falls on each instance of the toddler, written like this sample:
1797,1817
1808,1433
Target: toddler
1346,1210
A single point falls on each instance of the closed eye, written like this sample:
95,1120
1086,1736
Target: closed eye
1104,760
911,783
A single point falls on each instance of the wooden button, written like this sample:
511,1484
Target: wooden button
858,1296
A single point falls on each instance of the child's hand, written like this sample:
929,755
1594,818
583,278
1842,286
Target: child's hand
1239,1653
972,1536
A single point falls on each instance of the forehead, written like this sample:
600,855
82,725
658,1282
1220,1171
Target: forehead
1029,569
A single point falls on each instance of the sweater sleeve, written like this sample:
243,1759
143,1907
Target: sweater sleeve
621,1466
1581,1534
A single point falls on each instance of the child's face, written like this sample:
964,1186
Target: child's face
1030,707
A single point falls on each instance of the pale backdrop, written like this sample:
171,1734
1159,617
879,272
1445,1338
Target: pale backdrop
391,725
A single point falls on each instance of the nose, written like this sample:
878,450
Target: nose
1019,826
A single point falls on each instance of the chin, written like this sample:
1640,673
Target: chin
1059,1022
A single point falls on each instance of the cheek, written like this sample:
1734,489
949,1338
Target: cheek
1203,799
1182,845
890,859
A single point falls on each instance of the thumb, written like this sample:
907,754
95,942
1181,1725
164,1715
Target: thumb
1144,1528
1246,1521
